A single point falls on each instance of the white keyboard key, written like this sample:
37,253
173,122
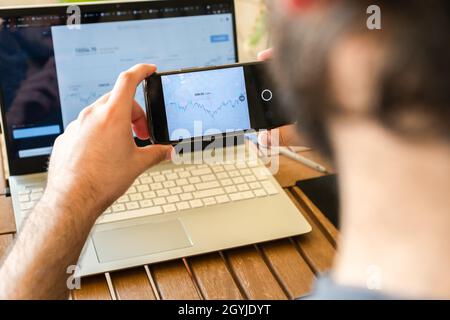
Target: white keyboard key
108,211
243,187
231,189
241,165
238,180
184,174
188,188
201,172
172,176
118,207
156,186
235,196
35,195
136,196
269,187
209,201
229,167
173,199
246,172
176,190
260,192
218,168
194,180
154,173
146,180
159,178
38,189
24,198
131,190
163,193
169,184
136,182
145,174
182,182
167,171
143,188
146,203
24,191
222,199
186,196
226,182
208,193
123,199
250,178
247,195
149,194
27,205
207,185
234,173
254,185
222,175
208,177
183,205
178,169
159,201
261,173
132,205
169,208
196,203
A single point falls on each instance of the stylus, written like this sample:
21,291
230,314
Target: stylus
307,162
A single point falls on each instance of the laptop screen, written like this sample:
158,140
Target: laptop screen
49,72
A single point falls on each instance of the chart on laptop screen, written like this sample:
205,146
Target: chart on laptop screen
89,59
206,102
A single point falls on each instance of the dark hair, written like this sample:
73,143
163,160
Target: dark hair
414,79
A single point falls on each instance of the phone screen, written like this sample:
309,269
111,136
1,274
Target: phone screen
205,102
212,101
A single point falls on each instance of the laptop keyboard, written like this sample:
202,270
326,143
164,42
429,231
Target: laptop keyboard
187,187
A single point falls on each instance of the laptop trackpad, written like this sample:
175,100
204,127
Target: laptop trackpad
140,240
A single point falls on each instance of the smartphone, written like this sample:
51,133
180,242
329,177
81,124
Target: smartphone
211,101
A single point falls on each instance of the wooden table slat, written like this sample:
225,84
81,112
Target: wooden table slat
5,241
132,284
289,266
314,246
253,274
173,281
92,288
319,218
213,277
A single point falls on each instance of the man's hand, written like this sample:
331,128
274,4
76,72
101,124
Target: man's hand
288,135
93,163
96,159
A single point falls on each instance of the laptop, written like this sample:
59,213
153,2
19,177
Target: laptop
50,72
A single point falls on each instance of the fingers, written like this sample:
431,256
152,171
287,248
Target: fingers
124,90
139,121
265,55
154,154
286,136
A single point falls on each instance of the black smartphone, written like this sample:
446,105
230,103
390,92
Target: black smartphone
211,101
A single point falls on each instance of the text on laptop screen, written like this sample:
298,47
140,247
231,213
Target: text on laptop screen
49,72
205,102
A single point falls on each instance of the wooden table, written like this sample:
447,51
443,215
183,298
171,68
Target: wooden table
282,269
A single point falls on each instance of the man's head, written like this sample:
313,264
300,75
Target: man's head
329,65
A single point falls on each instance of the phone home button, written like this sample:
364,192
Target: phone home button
266,95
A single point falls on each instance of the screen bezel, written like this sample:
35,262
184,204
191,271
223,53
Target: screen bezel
39,164
156,111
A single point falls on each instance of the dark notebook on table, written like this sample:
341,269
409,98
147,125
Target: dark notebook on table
323,192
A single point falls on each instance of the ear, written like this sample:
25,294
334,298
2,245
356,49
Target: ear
301,6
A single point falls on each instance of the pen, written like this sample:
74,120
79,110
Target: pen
307,162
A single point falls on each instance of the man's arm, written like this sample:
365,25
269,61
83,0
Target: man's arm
92,164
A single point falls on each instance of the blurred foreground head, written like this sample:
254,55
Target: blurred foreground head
330,66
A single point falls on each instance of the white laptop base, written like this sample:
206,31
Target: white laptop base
172,211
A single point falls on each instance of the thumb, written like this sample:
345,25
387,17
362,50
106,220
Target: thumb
154,154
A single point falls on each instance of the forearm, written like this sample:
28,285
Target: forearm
50,241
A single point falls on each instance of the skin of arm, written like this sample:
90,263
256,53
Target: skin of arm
92,164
